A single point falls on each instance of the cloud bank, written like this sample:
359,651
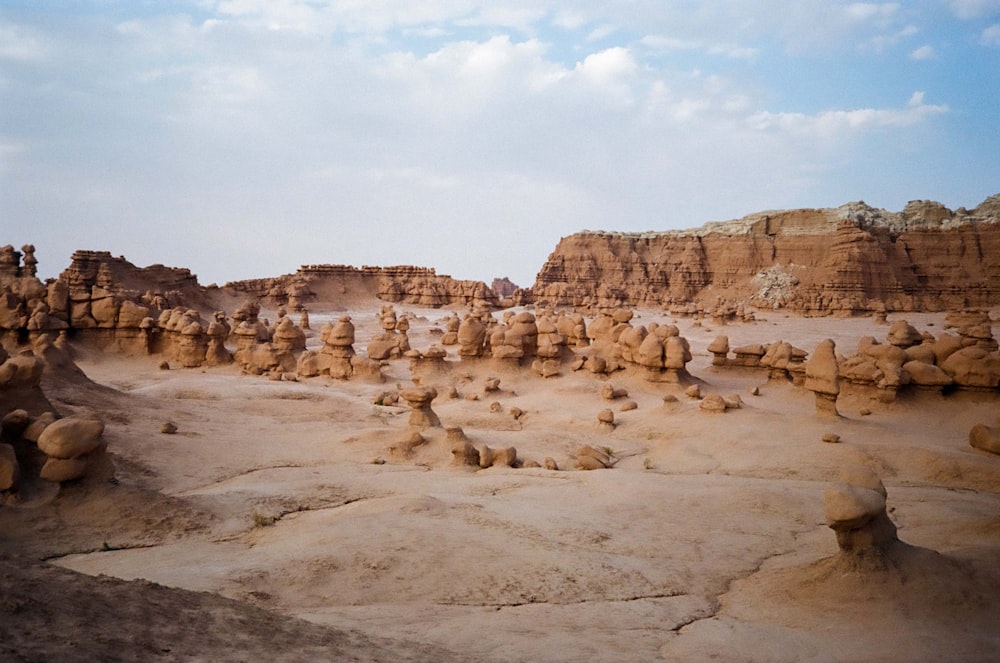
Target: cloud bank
242,138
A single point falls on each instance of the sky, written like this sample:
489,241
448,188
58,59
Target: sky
244,138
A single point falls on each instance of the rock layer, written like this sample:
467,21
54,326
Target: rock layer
402,284
850,259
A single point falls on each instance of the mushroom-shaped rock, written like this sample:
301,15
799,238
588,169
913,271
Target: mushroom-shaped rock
650,352
419,399
340,334
629,341
71,437
287,337
748,355
822,377
216,353
856,510
676,352
720,350
471,337
902,334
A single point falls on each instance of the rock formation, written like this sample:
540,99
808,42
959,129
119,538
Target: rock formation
34,442
985,438
419,399
419,286
823,377
851,259
856,510
926,362
392,342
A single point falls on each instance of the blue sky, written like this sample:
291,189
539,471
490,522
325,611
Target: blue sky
242,138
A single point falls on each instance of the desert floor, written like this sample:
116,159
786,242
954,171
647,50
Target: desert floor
706,540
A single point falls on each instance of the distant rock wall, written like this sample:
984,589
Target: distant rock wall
851,259
400,284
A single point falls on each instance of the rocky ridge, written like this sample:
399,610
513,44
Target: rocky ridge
401,284
847,260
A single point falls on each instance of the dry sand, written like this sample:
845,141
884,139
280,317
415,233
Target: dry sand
706,541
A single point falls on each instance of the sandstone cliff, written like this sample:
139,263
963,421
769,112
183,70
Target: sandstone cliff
340,283
850,259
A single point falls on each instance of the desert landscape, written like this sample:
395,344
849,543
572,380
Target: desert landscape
771,439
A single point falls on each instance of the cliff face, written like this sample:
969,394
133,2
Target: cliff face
853,258
335,283
99,268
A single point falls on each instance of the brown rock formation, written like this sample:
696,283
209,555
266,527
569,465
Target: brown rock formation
856,510
822,377
402,284
850,259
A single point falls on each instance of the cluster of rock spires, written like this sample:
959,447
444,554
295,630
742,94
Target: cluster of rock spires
966,358
853,259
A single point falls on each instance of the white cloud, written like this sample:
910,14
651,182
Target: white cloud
925,52
20,43
663,43
863,11
601,32
608,66
883,42
969,9
832,123
990,36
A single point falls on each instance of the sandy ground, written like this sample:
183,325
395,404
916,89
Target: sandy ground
706,541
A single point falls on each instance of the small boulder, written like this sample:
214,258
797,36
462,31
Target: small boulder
713,403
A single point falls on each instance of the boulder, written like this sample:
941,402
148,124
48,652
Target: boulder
903,335
923,374
71,437
58,470
985,438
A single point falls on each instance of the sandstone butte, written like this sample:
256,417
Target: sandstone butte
852,259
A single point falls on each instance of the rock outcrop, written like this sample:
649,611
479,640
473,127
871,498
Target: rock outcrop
851,259
404,284
856,511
